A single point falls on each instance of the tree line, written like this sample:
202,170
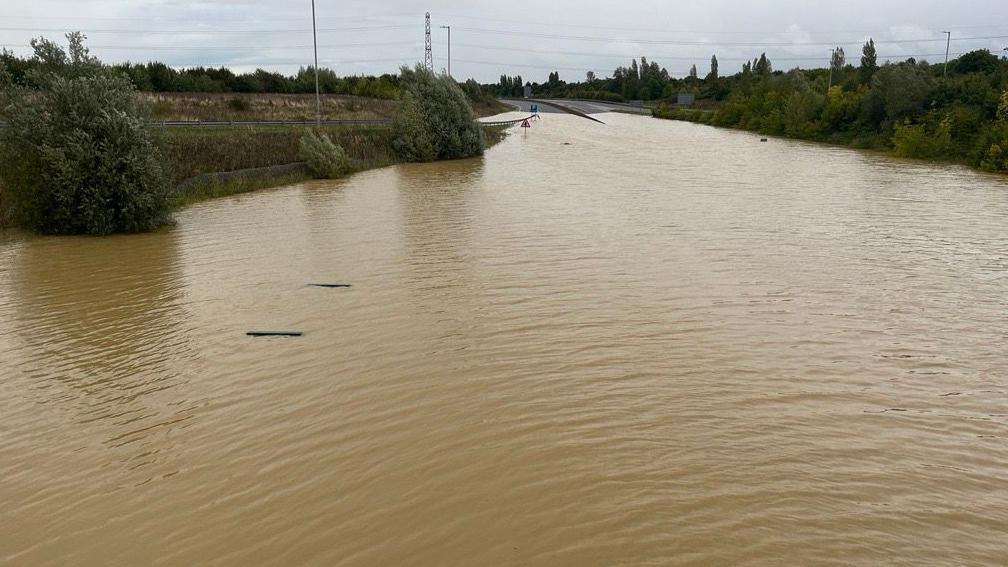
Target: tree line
913,108
158,77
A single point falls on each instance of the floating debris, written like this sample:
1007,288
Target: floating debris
330,285
275,334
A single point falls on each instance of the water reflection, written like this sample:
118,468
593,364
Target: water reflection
104,336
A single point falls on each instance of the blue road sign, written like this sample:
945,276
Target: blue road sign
535,109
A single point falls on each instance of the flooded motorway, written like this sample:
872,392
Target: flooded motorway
638,343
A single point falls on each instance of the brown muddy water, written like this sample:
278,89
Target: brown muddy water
661,344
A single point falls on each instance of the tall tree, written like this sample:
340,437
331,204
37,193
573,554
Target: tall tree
763,66
633,88
869,61
693,72
838,60
713,67
590,77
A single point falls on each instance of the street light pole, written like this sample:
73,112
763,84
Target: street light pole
830,86
948,45
318,97
449,47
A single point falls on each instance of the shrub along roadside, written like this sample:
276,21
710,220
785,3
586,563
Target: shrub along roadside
326,159
436,120
76,156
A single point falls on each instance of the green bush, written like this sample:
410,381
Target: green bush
436,121
913,140
325,158
76,155
995,158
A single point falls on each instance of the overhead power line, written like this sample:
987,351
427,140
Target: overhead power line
189,19
656,57
716,43
554,24
189,31
230,47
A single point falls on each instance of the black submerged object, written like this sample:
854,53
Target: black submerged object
275,334
763,139
330,285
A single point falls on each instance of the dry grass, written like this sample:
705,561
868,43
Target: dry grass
249,107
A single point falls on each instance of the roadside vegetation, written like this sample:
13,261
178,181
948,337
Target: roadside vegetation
909,108
77,155
436,121
81,151
326,159
192,151
239,107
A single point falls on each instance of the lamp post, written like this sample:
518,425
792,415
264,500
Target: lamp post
948,45
449,47
318,98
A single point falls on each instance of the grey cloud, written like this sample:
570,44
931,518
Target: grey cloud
519,37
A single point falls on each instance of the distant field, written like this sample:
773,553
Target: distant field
246,107
252,107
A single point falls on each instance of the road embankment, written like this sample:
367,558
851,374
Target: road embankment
210,162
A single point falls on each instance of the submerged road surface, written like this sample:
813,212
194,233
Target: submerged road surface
595,345
582,106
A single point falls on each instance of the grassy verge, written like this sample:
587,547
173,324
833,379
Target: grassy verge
6,213
214,189
490,108
197,150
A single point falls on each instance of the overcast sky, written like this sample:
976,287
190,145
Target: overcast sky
517,37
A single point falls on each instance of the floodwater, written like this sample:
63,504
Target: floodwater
660,344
